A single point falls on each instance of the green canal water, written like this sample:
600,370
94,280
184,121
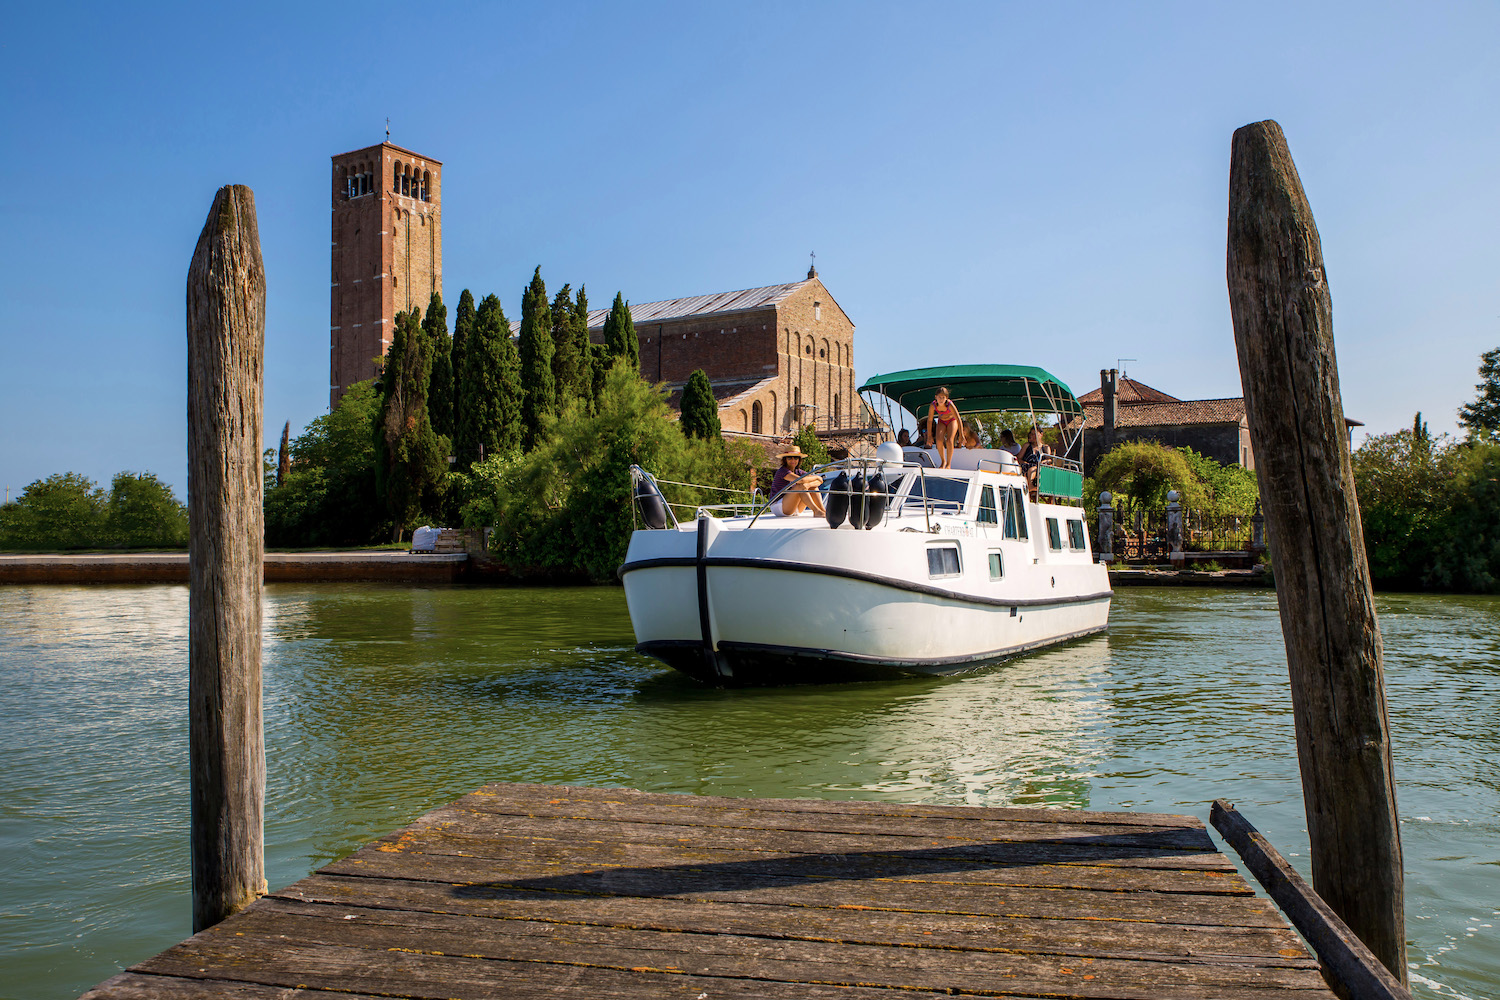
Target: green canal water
382,702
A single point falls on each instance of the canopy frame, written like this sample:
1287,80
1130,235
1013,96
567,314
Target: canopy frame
981,389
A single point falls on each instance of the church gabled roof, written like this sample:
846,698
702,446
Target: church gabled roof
1131,391
702,305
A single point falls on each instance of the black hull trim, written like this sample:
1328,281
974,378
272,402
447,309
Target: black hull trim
789,566
754,664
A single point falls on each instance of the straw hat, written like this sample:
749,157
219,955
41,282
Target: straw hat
792,452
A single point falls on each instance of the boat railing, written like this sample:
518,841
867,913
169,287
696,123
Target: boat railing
652,507
869,467
647,493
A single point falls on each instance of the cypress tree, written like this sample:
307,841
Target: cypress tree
539,389
489,402
600,362
440,389
410,459
700,410
565,359
583,382
463,327
619,333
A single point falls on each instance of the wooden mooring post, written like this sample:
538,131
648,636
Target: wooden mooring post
226,323
1283,332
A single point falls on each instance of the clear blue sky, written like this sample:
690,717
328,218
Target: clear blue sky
1041,184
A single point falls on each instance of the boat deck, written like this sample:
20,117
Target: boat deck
522,891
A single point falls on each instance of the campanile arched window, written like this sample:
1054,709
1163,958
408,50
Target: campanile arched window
755,412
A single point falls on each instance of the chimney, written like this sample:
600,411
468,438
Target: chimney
1109,385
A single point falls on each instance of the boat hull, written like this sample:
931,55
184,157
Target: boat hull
736,620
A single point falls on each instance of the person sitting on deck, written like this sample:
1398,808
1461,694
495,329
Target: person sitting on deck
971,438
1008,442
1031,458
949,426
904,438
793,491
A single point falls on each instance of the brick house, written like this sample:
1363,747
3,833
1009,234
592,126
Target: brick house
778,357
1122,409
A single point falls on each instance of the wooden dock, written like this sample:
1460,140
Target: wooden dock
522,891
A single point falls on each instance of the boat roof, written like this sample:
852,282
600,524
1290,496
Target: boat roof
979,388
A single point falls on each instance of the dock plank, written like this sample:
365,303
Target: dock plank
539,891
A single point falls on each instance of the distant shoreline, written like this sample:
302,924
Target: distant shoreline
400,566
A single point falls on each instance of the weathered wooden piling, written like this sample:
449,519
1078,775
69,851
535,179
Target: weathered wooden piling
1283,332
226,310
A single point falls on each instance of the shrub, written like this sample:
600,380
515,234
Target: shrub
63,511
144,513
565,507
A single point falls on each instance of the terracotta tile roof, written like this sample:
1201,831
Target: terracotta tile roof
1174,413
1131,391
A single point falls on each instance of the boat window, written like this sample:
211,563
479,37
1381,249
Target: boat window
1075,535
942,493
917,456
1054,535
942,560
1015,513
997,565
987,513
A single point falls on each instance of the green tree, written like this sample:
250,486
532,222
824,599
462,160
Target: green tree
815,450
1143,472
329,495
583,381
565,507
489,402
700,410
566,358
619,333
1229,489
463,330
144,513
600,363
411,459
1482,416
63,511
538,387
440,388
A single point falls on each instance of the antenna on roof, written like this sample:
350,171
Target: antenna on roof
387,130
812,268
1120,363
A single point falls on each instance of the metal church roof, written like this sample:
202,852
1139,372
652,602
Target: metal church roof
701,305
979,389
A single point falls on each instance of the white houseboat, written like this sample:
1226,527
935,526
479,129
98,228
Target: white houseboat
914,570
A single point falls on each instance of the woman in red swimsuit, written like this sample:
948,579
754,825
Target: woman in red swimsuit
949,425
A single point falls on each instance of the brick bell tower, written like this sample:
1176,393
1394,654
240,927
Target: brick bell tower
387,254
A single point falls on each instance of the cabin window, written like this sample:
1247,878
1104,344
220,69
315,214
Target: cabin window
942,561
997,565
1015,513
1075,535
987,512
1054,535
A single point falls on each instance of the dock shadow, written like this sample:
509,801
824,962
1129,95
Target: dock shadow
750,874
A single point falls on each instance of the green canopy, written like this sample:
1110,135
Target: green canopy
979,389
